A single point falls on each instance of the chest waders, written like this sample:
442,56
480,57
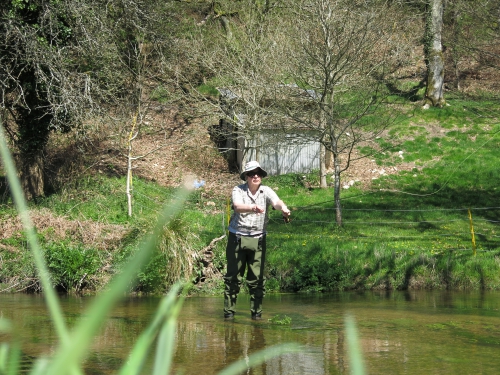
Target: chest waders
244,254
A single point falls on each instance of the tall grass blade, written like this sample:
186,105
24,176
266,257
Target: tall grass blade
355,356
87,329
166,343
20,203
5,326
21,206
259,357
145,340
10,357
4,357
72,350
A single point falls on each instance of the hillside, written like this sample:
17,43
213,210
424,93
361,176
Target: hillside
184,147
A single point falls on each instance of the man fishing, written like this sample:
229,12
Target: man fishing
246,245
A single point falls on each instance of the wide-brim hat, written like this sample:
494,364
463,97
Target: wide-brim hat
250,166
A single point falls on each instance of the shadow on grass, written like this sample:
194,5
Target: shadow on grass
411,94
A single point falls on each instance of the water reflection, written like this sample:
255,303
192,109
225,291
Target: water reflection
242,343
400,333
210,349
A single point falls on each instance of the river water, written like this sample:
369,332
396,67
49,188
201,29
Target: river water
399,332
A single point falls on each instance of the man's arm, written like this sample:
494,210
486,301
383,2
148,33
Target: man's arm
281,206
244,208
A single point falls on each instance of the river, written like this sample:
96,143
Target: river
417,332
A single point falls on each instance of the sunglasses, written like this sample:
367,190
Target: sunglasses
253,173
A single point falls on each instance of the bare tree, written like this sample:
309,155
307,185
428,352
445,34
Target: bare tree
242,48
339,57
311,70
146,38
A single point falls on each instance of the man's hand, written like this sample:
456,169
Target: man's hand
257,209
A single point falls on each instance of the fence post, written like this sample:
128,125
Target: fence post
472,234
228,212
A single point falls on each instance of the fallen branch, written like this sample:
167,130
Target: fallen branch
211,245
205,256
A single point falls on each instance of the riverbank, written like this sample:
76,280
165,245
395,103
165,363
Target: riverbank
421,214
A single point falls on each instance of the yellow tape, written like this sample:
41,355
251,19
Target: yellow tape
472,234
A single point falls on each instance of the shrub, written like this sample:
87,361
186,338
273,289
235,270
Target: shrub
71,267
173,259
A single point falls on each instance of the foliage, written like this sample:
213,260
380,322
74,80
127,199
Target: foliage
69,266
285,320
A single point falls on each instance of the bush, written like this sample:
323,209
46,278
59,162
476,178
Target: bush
173,259
71,267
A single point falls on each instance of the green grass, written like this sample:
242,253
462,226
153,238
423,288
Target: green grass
103,199
409,230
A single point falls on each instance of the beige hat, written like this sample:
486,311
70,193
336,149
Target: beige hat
250,166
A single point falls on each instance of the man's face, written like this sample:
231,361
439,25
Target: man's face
254,176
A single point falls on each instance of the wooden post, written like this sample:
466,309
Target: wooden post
228,212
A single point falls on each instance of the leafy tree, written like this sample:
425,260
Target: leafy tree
41,92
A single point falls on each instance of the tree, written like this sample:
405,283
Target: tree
241,50
142,34
471,37
433,53
311,69
65,65
40,92
340,57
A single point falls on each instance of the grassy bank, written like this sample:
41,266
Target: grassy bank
434,226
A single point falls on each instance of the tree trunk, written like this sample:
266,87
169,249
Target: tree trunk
336,191
32,175
130,157
455,41
322,166
433,51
